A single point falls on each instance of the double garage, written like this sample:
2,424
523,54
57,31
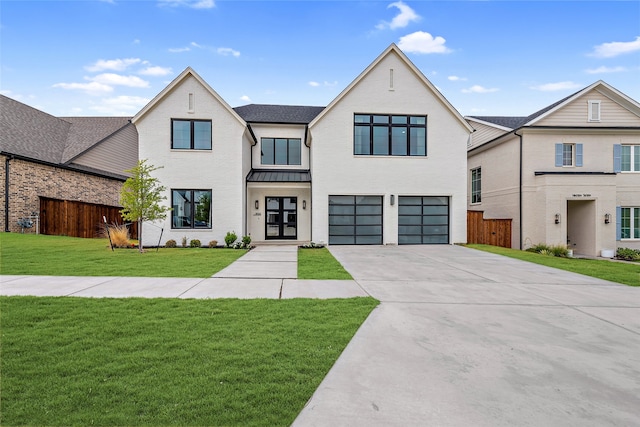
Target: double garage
358,220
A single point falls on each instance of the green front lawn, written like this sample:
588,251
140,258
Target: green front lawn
134,362
626,273
69,256
319,264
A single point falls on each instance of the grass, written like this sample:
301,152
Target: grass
142,362
319,264
69,256
626,273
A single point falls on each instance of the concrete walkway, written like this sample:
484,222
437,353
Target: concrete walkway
264,272
468,338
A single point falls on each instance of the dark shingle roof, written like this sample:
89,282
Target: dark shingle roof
262,113
31,133
268,175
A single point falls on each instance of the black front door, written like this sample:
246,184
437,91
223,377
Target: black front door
282,218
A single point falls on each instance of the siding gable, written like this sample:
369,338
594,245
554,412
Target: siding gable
576,112
115,154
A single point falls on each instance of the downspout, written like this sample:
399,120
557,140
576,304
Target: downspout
515,132
246,183
306,133
8,158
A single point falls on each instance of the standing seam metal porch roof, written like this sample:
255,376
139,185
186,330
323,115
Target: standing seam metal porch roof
271,175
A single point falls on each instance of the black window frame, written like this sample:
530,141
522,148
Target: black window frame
192,134
192,216
392,122
289,140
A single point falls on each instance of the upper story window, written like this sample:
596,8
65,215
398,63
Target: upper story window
280,151
389,135
594,111
476,185
191,209
630,158
569,155
190,134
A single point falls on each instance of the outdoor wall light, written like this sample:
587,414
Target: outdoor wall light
392,200
607,218
256,204
557,218
304,204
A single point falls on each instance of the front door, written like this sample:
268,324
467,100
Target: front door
281,221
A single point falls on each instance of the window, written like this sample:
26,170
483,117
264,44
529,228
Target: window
630,158
280,151
476,185
191,134
594,111
630,223
389,135
191,209
569,155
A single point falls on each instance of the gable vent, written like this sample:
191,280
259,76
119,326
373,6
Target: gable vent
594,111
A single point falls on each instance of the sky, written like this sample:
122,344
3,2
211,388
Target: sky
111,57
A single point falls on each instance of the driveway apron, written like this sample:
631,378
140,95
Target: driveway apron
467,338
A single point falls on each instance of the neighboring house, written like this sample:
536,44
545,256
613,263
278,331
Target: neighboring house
567,174
384,163
47,159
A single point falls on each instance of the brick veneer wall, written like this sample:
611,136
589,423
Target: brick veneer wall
28,181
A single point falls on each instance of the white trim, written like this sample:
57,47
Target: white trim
594,110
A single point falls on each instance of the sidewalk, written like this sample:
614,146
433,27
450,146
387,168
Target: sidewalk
264,272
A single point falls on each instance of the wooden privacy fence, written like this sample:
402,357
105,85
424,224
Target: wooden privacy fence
78,219
496,232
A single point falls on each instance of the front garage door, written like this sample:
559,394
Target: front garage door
355,220
423,220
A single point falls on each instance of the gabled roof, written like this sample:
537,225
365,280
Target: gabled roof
530,120
188,72
281,114
395,49
33,134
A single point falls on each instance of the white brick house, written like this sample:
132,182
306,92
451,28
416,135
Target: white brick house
383,163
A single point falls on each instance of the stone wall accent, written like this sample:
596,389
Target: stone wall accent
28,181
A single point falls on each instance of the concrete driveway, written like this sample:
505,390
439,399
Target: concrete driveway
467,338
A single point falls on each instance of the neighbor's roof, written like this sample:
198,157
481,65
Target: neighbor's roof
282,114
33,134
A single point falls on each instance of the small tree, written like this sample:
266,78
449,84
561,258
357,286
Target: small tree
140,197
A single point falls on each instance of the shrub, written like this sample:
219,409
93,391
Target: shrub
213,243
538,248
555,250
628,254
170,244
184,241
245,243
230,238
312,245
195,243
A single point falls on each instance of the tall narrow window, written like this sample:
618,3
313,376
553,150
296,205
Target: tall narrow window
567,154
594,111
476,185
191,134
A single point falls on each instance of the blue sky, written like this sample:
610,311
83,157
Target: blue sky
104,58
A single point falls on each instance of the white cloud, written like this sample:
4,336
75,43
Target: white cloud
479,89
91,88
194,4
603,70
156,71
120,105
421,42
325,83
245,98
457,79
609,50
402,19
118,80
179,49
314,84
112,64
226,51
552,87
